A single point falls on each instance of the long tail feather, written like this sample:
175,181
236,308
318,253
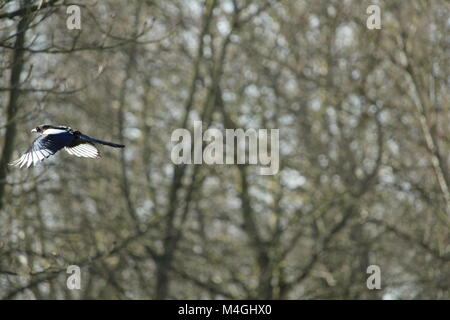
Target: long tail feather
106,143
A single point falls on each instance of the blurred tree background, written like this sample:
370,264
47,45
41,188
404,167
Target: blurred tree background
364,149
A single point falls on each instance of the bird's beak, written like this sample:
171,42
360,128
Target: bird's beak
34,130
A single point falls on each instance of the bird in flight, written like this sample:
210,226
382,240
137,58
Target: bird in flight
54,138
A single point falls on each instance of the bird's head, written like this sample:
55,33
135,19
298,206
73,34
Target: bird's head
41,128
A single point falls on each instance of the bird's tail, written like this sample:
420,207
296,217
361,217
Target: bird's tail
106,143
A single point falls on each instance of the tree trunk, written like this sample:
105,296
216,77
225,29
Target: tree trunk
13,105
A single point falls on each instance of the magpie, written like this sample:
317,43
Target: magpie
54,138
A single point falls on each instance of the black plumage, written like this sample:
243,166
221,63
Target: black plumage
54,138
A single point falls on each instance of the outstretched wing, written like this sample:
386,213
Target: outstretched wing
82,148
43,147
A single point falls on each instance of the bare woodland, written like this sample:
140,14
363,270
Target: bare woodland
364,149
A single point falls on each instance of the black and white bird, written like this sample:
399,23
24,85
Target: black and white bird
54,138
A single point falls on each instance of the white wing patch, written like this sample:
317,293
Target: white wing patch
54,131
85,150
31,158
